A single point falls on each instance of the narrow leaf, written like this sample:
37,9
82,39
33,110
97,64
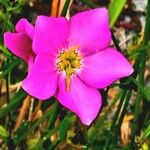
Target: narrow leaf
63,129
145,90
35,125
3,132
9,68
115,8
14,102
147,132
4,3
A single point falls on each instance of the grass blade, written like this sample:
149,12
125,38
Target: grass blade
115,9
14,102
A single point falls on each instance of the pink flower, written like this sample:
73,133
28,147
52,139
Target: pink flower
20,43
73,60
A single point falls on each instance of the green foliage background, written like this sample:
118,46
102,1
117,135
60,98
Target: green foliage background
68,132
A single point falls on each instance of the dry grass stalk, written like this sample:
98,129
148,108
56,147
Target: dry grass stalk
22,113
57,7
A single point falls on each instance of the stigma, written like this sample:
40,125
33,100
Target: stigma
69,61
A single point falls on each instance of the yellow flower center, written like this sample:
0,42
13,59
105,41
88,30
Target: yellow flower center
69,61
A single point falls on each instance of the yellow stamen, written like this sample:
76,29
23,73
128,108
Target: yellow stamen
68,62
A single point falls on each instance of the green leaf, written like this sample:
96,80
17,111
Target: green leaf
115,9
53,116
9,67
22,129
3,132
145,90
49,134
63,129
71,118
32,142
147,25
5,51
147,132
14,102
64,126
35,125
4,3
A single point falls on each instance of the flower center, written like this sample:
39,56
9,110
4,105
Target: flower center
69,61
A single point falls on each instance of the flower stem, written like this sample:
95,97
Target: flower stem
115,120
115,42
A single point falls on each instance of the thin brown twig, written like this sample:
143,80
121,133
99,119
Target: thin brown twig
37,112
22,112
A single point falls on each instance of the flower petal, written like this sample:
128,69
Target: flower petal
19,44
41,81
24,26
104,67
81,99
50,34
90,30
